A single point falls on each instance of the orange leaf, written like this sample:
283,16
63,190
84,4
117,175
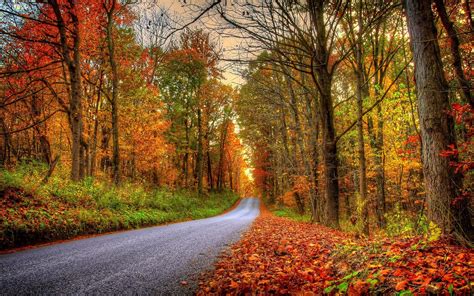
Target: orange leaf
401,285
234,285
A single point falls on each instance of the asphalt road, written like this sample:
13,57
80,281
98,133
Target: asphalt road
147,261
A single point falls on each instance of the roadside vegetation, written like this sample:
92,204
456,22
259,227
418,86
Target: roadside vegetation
290,213
34,212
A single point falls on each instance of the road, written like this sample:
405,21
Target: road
152,260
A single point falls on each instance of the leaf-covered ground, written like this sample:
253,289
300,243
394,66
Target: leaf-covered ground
281,256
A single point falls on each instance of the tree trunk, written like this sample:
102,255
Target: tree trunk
300,141
437,127
50,171
209,171
113,65
362,92
312,121
84,158
186,153
93,152
377,143
199,162
323,81
5,156
464,84
74,68
220,169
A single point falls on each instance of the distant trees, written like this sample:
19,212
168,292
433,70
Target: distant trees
137,108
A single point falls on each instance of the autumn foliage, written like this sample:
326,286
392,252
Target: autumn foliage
282,257
160,116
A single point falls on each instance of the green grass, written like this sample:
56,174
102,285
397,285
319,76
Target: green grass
291,214
31,212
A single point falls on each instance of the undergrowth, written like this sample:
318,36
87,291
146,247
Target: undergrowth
32,212
291,214
398,223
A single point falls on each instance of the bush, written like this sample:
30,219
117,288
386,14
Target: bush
62,209
400,222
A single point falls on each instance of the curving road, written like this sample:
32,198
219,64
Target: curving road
152,260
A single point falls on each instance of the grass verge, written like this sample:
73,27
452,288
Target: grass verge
31,212
291,214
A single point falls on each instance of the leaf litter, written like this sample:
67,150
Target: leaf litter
282,257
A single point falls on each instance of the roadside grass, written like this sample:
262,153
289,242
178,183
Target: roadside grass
291,214
31,212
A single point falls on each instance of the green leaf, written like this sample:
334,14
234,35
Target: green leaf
343,287
351,275
329,289
372,282
451,289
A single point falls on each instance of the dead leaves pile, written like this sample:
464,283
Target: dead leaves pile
280,256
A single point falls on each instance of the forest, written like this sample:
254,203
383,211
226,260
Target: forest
352,121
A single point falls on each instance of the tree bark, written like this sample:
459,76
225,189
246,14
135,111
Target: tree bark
437,127
323,80
74,69
362,92
113,65
220,169
464,84
300,140
199,162
93,152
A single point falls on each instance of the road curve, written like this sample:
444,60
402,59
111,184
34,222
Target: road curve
147,261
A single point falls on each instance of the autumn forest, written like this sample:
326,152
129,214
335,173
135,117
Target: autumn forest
331,141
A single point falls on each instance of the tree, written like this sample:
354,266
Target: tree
200,42
72,58
442,183
454,44
110,8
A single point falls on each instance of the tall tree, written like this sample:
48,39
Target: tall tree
323,73
72,58
110,8
442,183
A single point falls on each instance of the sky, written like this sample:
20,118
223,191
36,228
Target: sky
182,12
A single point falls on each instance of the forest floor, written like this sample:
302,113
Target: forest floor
282,256
32,212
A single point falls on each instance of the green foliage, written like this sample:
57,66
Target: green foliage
343,283
372,282
433,232
62,209
404,293
291,214
400,222
347,225
342,287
